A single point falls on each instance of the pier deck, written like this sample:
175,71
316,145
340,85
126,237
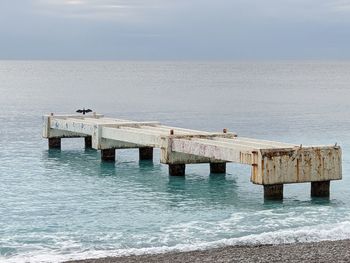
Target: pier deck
273,163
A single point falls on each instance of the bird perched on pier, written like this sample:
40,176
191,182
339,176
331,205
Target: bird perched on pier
83,111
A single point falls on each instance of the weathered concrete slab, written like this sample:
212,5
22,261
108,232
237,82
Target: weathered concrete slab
273,163
297,165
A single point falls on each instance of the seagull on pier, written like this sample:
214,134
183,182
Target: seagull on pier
83,111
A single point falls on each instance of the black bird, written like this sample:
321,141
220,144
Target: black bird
83,111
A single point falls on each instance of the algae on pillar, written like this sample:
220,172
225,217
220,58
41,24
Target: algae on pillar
217,168
88,142
273,192
146,153
108,155
320,189
177,169
54,143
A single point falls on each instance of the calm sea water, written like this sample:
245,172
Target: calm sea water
59,205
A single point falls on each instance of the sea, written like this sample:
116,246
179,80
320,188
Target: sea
60,205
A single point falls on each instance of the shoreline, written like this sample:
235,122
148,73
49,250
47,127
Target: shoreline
323,251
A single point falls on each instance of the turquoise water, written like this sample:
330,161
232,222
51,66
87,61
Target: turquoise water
60,205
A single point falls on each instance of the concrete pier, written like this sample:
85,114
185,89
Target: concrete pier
217,168
108,155
320,189
54,143
273,192
88,142
146,154
272,163
177,169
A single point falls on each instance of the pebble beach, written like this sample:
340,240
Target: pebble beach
325,251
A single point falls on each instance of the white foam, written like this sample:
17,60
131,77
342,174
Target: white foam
338,231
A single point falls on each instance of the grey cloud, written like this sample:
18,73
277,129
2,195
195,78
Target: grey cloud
167,29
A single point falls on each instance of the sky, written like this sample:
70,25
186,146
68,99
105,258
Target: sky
175,29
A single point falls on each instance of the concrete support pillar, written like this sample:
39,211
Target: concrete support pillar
274,191
177,169
88,142
146,153
108,155
320,189
54,143
217,168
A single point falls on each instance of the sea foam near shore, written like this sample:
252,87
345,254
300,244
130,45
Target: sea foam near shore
331,232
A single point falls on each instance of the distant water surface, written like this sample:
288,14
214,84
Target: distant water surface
59,205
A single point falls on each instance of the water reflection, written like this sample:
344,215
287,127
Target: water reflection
212,190
146,165
149,178
52,154
320,200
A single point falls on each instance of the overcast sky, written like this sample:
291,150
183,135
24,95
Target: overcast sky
175,29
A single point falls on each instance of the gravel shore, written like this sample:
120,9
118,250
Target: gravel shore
326,251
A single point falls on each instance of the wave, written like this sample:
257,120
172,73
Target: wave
323,232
